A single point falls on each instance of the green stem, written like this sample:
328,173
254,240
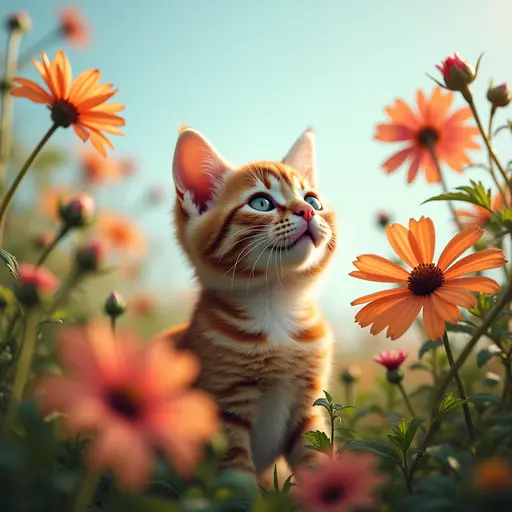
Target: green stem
63,231
24,363
493,314
19,178
333,419
433,154
408,404
460,387
86,491
11,62
491,161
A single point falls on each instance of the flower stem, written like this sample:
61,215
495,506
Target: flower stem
443,184
19,178
460,387
491,162
11,62
86,491
408,403
24,362
49,248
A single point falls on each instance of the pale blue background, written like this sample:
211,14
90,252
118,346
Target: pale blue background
251,75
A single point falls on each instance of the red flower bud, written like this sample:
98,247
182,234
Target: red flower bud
77,212
90,256
115,305
499,96
391,359
457,73
35,284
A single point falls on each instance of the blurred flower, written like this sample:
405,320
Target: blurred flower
42,240
77,212
430,126
19,21
115,305
346,483
383,219
51,198
457,73
351,374
479,215
89,257
35,284
499,96
155,194
391,359
127,166
132,269
81,103
493,475
438,289
97,170
120,232
74,26
143,304
130,399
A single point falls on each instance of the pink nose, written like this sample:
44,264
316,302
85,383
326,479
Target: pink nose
306,211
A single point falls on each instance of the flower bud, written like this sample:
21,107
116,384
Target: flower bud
499,96
457,73
351,374
90,256
383,219
35,285
395,376
77,212
115,305
19,21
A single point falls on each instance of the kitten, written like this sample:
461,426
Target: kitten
257,236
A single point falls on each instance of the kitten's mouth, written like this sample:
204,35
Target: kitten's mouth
306,235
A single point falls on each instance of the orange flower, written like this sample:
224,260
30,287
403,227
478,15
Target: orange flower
493,475
96,170
81,103
432,126
437,288
479,215
143,304
120,232
129,399
74,26
50,200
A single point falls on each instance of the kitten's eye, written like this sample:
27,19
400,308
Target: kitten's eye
262,203
314,202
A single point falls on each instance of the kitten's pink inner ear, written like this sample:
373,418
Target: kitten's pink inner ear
302,155
197,167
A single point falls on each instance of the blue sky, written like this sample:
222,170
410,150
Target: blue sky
252,75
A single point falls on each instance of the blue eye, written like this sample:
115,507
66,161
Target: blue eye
314,202
262,203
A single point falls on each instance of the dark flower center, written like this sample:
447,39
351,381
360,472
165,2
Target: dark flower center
425,278
427,136
332,494
64,113
126,403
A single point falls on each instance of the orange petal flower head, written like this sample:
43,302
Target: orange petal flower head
80,103
457,73
129,399
120,233
74,26
439,289
432,128
479,215
97,170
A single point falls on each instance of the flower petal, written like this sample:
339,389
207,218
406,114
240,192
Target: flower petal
456,296
475,284
397,159
459,244
432,322
398,237
380,266
401,113
481,260
399,317
368,313
394,292
393,133
425,235
446,310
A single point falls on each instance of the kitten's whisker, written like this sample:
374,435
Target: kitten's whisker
255,263
244,252
237,242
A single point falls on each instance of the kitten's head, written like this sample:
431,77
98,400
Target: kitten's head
261,223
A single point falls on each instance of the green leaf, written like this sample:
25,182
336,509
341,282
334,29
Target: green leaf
485,397
11,263
50,320
419,366
475,194
461,327
322,402
339,407
345,431
485,355
134,503
318,439
449,402
402,434
239,482
429,345
328,396
382,450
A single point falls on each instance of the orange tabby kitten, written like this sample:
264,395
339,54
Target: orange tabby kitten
257,236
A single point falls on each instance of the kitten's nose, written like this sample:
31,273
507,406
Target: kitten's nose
306,211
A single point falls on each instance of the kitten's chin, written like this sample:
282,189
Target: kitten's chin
303,252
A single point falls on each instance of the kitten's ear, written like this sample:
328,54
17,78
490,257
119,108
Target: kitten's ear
197,167
302,155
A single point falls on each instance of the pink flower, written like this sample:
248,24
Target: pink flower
74,26
391,359
457,73
34,283
346,483
130,400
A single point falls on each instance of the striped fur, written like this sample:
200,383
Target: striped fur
264,346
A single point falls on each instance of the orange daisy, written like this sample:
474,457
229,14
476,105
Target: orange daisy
130,399
440,289
97,170
479,215
80,103
432,126
120,232
74,26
